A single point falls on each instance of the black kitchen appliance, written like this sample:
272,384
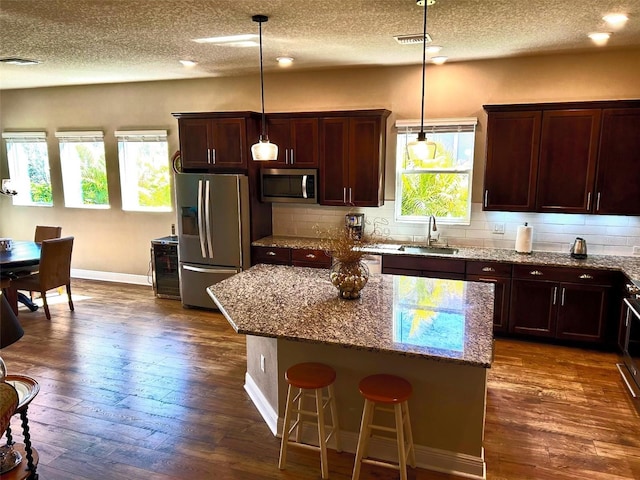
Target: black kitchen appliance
289,185
164,267
355,223
579,248
630,336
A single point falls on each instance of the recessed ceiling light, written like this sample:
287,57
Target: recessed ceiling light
433,48
284,61
188,63
19,61
439,60
599,38
615,19
247,40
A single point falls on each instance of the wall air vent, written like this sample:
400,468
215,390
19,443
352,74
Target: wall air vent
413,39
19,61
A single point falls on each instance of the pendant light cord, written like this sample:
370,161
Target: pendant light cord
262,87
421,136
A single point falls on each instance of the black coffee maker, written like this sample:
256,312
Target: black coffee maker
355,223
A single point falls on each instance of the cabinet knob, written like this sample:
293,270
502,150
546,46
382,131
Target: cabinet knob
586,276
310,255
271,253
537,273
488,269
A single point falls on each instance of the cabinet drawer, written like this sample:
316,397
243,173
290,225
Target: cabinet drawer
494,269
585,276
420,263
308,257
273,255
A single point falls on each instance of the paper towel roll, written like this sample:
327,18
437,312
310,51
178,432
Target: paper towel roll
524,239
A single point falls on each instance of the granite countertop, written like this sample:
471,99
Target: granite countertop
442,320
630,266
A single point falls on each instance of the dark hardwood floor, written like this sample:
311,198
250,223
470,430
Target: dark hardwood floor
134,387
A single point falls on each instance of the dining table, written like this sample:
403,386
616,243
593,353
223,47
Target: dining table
22,257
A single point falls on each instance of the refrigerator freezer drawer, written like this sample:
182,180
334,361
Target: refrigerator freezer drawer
194,282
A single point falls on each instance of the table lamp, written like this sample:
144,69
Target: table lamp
10,331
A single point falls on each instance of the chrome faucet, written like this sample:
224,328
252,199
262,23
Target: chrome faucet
430,229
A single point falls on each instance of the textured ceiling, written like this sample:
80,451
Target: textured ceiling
105,41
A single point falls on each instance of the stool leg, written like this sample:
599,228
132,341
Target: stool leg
299,416
402,455
363,438
412,450
334,417
322,439
285,430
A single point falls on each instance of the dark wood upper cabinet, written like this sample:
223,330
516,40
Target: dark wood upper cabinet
215,141
297,141
572,157
352,158
567,162
618,177
511,169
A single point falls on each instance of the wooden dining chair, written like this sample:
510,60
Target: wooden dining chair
44,232
54,271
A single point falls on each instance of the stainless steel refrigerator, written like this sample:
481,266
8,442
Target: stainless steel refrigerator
213,229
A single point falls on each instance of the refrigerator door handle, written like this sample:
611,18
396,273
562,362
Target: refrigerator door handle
201,220
207,219
304,186
210,270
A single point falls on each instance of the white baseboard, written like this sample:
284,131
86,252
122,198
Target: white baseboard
111,277
445,461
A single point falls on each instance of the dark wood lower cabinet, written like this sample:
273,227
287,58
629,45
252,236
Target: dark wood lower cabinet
298,257
558,310
501,301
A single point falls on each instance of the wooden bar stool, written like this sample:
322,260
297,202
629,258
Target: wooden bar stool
386,390
305,377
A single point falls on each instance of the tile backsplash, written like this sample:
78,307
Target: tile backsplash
552,232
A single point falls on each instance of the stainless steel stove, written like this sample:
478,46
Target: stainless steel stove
630,366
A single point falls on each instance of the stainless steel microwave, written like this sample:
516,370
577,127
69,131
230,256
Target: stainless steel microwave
290,185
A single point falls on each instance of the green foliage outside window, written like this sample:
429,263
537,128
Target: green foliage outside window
94,177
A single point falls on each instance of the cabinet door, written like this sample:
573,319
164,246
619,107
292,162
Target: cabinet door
278,130
501,299
334,164
582,312
303,147
195,141
533,308
229,142
618,184
512,160
567,164
366,176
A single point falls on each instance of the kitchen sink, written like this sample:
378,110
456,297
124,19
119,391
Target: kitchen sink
436,250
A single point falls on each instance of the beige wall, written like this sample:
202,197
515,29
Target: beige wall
114,241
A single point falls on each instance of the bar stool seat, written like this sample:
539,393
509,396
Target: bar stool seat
390,391
310,379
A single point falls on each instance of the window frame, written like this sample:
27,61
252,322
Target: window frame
405,128
67,182
20,178
129,181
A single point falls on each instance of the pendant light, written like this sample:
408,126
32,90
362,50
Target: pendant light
421,149
263,150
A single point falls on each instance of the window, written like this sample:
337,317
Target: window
28,160
441,185
144,170
84,172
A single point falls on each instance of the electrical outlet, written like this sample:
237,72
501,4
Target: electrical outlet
498,229
636,250
262,362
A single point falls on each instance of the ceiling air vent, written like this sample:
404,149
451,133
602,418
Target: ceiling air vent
413,39
18,61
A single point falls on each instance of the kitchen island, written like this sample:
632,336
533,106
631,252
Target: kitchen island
435,333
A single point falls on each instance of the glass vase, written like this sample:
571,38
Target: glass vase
349,278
